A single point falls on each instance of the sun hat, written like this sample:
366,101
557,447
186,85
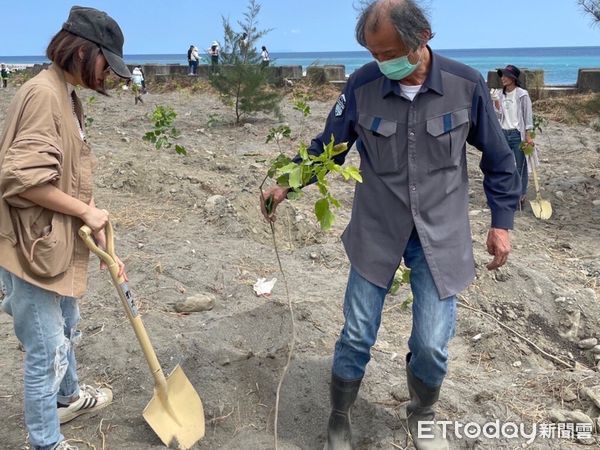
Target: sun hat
510,71
100,28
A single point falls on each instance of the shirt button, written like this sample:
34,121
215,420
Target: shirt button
413,187
411,132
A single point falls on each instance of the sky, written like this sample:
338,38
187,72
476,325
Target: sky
157,27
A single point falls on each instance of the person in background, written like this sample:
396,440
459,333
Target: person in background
46,196
213,52
4,75
244,43
514,111
264,54
189,57
411,113
138,84
195,60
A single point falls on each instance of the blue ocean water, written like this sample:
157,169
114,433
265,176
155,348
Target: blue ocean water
560,64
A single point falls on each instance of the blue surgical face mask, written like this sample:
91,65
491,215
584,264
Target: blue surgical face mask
398,68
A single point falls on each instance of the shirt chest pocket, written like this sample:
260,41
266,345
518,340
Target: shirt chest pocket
446,137
380,143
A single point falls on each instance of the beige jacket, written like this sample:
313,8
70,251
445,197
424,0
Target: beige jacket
41,143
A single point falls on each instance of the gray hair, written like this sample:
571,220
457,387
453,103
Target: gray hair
409,20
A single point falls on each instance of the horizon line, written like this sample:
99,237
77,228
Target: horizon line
357,51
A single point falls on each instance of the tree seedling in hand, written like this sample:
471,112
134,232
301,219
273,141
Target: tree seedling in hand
308,168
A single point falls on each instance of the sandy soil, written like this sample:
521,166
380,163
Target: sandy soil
191,225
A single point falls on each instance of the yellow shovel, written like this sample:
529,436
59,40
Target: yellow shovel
542,209
175,412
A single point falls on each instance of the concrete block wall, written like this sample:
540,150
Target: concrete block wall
588,80
529,79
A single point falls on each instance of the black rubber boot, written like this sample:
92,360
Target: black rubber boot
342,394
420,408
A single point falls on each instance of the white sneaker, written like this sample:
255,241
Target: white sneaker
91,399
64,445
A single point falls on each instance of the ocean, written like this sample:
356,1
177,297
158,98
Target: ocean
560,64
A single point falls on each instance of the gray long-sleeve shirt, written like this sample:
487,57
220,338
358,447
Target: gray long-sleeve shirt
414,168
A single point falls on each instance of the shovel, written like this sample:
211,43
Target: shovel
175,412
542,209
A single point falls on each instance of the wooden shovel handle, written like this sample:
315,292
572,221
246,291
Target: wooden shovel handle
109,257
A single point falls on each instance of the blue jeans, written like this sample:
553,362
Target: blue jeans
45,323
513,137
432,328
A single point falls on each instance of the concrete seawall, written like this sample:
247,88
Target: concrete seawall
588,79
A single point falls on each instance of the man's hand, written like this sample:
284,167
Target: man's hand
498,245
270,199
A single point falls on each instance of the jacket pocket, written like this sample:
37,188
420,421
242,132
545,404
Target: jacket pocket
379,139
45,239
447,137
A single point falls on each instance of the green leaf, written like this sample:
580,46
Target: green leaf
296,177
294,195
354,173
303,152
334,201
324,214
180,150
283,180
287,168
323,189
339,148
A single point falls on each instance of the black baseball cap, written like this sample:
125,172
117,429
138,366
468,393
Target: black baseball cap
100,28
510,71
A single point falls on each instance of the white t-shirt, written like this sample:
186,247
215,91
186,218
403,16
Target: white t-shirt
410,91
510,118
265,55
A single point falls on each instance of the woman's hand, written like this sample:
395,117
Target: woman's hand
100,238
95,218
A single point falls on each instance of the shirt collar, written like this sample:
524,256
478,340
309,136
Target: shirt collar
432,82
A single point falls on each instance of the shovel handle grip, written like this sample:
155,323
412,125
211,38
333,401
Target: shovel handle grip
109,257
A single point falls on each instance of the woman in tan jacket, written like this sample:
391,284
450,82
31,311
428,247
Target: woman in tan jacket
45,196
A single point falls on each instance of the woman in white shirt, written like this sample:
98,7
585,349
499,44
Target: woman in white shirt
265,57
514,111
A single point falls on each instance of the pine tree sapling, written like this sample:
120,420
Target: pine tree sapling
164,131
241,82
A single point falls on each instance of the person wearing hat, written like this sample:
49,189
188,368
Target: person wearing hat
46,196
513,109
213,51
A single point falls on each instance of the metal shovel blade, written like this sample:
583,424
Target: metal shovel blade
542,209
177,415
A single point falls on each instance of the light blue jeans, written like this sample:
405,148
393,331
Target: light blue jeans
513,137
45,324
432,328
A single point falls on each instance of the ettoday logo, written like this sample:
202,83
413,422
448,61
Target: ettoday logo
504,431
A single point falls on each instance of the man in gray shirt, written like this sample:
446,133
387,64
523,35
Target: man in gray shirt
410,113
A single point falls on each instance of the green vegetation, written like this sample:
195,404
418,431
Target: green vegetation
239,79
164,131
308,168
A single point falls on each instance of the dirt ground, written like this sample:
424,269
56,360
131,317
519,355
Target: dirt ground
190,225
